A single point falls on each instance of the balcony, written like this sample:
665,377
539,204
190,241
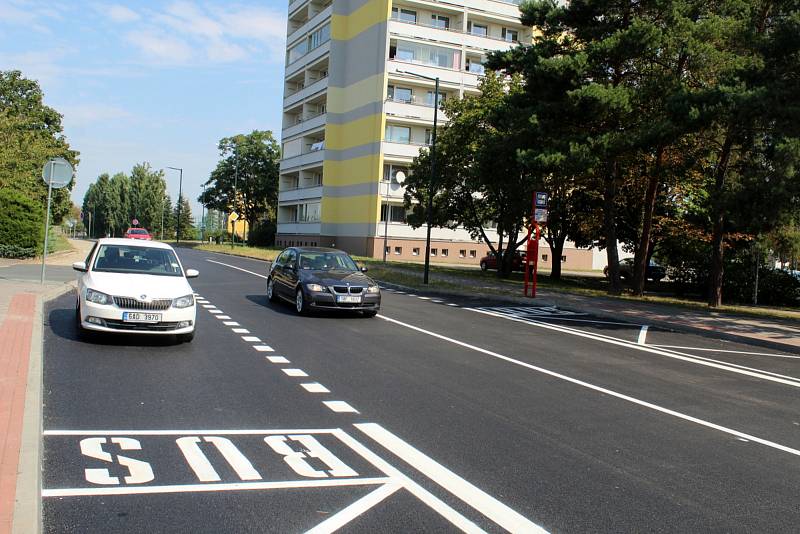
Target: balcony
310,56
309,25
300,193
450,36
305,125
307,158
294,5
410,110
306,92
402,150
446,76
303,228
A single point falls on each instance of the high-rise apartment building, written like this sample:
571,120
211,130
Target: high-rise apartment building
354,114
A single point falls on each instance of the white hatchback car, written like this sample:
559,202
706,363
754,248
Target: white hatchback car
129,286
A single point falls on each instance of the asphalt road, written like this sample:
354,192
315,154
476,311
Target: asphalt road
434,416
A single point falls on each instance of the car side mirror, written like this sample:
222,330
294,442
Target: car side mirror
192,273
80,266
364,269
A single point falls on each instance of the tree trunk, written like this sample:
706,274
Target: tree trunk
718,236
609,221
556,251
642,257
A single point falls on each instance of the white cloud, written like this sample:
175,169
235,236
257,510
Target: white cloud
85,114
160,46
121,14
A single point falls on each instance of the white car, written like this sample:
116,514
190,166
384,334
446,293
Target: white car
129,286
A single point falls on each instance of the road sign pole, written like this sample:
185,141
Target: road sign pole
535,257
47,220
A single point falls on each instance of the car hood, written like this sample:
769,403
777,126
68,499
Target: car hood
136,285
336,278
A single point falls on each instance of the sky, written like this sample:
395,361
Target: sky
148,81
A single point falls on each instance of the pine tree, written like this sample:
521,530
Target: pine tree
184,225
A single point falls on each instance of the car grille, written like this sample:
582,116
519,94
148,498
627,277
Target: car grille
344,290
133,304
152,327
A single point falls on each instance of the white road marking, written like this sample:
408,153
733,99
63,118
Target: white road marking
315,387
231,323
240,330
237,486
251,339
294,372
340,407
342,517
600,389
692,358
215,312
424,298
436,301
264,348
237,268
209,306
642,335
451,304
470,494
223,317
400,292
277,359
729,351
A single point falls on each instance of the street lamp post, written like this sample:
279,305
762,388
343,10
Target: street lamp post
399,177
180,189
431,185
203,216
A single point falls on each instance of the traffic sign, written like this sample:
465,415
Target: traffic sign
57,173
540,215
234,216
135,222
542,199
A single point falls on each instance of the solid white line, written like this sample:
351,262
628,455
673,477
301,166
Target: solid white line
189,432
642,335
264,348
692,358
315,387
612,393
237,268
341,518
559,318
470,494
237,486
240,330
277,359
340,407
231,323
729,351
294,372
251,339
223,317
415,489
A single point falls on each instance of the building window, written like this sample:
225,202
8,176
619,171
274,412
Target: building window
545,257
434,251
475,65
510,35
398,134
425,54
398,250
404,15
399,94
390,172
478,29
415,251
322,35
462,253
445,252
429,99
397,214
563,259
440,21
388,249
473,254
428,136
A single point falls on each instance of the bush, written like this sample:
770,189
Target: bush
14,251
263,235
21,224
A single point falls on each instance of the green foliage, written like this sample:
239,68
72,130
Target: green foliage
21,224
30,134
263,234
185,225
245,180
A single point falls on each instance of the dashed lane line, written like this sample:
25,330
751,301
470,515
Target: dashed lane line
215,312
315,387
277,359
251,339
230,323
294,372
240,330
340,407
599,389
263,348
223,317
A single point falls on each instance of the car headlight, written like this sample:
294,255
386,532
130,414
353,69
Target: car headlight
373,289
183,302
97,297
316,287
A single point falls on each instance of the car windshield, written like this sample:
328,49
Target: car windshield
141,231
137,260
326,261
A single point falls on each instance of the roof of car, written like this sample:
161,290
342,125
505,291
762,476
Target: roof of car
317,249
131,242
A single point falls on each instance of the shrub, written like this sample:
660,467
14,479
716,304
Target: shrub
21,224
263,235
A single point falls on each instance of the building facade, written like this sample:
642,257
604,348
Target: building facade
355,112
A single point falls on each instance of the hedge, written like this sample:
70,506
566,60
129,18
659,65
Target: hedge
21,224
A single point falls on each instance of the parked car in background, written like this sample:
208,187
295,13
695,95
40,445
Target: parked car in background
517,261
654,272
132,287
138,233
317,278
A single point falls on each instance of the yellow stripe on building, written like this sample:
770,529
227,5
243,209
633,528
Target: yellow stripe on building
345,27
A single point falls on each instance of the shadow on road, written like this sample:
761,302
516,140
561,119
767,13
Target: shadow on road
285,308
62,323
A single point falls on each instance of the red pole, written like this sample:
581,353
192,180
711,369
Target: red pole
527,260
535,258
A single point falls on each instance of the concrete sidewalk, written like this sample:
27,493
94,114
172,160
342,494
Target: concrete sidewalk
22,300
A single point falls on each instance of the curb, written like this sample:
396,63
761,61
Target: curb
28,501
664,325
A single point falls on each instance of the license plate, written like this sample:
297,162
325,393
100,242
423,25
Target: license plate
349,299
134,317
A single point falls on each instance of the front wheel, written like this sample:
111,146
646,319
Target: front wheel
300,302
271,296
